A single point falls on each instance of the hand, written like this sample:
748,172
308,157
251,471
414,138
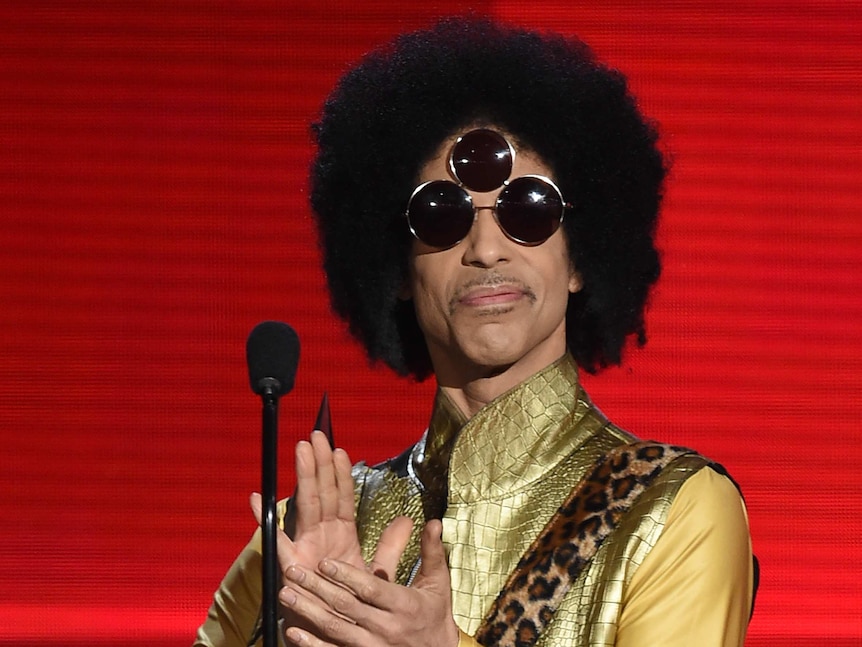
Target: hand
349,607
323,507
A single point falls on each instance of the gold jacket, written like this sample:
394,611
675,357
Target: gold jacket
677,571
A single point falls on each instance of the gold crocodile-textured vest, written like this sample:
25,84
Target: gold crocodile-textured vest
510,467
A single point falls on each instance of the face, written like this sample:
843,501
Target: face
489,304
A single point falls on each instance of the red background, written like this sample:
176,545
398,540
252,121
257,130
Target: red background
153,208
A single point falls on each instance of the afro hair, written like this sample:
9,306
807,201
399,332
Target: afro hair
389,114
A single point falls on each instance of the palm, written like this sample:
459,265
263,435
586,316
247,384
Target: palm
321,519
323,507
330,538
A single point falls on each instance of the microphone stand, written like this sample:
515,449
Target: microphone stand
272,353
270,572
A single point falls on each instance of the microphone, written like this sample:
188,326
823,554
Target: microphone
272,352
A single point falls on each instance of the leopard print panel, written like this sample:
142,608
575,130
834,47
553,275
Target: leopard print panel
526,605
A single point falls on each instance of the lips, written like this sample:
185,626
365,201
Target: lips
491,293
491,296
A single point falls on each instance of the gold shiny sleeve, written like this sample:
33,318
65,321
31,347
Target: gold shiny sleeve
233,614
466,640
695,585
236,604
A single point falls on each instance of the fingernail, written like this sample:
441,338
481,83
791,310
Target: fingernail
294,635
287,596
327,567
294,574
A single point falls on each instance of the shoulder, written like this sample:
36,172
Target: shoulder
709,496
706,507
370,478
690,501
381,490
682,501
697,498
707,517
695,584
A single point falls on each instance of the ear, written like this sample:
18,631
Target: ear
576,283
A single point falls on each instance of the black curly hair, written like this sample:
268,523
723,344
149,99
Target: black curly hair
388,115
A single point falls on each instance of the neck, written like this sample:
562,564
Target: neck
484,385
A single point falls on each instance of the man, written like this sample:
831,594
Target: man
487,200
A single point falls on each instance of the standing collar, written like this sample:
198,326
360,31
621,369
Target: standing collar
510,442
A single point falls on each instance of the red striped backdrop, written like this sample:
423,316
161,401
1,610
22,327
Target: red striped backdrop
153,209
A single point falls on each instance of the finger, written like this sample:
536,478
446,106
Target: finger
373,591
297,636
346,506
285,548
329,610
434,569
307,500
390,547
384,609
256,502
324,473
334,597
287,589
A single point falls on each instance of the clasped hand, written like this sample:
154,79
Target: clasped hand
331,597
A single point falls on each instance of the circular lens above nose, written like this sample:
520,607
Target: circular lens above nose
482,160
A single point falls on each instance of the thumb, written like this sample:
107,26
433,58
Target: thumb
391,545
284,546
434,568
256,502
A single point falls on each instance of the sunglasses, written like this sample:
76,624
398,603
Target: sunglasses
528,209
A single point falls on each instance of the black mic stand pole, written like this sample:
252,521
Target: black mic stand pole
269,463
272,352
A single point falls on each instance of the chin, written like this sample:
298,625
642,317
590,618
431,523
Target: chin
503,354
495,359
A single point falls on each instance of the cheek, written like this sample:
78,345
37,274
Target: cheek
558,298
561,279
428,299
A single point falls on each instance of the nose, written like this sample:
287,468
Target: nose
485,245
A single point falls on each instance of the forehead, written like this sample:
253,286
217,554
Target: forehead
525,160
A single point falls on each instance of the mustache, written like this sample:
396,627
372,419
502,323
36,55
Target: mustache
490,280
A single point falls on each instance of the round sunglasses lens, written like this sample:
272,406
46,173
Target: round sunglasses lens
440,213
481,160
530,209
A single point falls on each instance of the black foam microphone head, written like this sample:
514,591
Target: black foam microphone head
272,352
